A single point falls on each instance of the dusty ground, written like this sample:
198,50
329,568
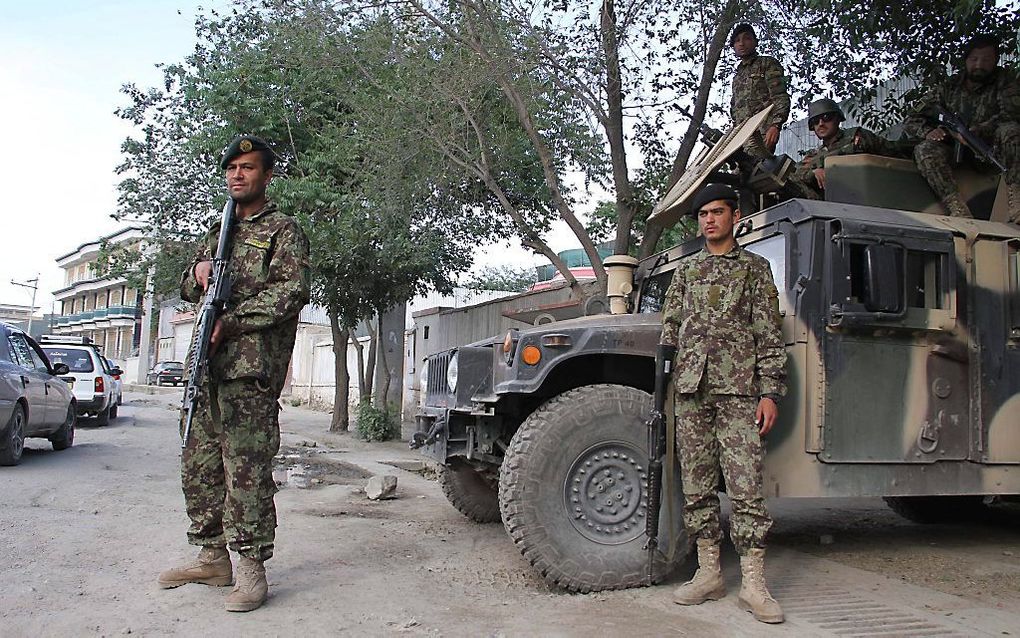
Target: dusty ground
86,530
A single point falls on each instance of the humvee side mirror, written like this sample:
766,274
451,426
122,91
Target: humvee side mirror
61,368
883,278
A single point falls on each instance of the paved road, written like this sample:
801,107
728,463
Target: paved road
86,530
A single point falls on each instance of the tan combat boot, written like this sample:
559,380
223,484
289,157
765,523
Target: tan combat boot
251,587
707,583
956,206
212,567
754,595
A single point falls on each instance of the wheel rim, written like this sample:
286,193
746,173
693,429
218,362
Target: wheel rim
72,418
17,441
604,493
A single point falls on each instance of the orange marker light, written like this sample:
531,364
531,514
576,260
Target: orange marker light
531,355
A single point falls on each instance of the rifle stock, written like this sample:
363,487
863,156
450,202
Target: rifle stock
656,449
213,303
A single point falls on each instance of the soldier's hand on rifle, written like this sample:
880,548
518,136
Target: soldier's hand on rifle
203,270
765,415
819,174
772,137
937,134
216,336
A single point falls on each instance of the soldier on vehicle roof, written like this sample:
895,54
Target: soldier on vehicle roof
227,463
824,118
987,97
758,82
721,312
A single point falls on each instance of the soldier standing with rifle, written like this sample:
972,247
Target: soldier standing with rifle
982,103
227,462
722,314
758,82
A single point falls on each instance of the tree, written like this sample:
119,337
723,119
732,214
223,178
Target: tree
380,230
507,278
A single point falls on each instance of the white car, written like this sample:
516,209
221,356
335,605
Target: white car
118,384
89,376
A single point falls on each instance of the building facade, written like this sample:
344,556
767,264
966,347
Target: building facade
105,309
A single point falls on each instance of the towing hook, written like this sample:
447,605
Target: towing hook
421,439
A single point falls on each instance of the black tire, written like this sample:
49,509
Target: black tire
938,509
64,437
470,492
103,418
13,447
113,410
578,448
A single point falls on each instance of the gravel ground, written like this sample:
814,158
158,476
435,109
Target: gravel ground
88,529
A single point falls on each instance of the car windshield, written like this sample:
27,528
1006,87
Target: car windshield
77,360
173,367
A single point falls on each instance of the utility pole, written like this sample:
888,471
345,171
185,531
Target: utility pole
35,288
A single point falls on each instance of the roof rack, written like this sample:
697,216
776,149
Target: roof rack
75,339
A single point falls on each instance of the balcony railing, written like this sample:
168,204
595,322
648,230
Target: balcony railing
113,312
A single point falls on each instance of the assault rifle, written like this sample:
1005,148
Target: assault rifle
216,295
656,449
955,123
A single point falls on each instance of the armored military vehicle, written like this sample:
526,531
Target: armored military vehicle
902,328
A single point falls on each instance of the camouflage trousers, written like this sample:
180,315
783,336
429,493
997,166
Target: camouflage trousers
716,432
934,159
227,468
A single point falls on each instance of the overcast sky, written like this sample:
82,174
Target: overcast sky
64,64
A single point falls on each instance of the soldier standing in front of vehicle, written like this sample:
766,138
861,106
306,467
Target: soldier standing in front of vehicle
722,314
758,82
987,97
824,118
227,464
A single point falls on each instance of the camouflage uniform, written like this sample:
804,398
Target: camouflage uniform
227,466
757,83
991,111
849,141
722,313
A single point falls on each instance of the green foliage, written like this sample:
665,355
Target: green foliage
509,278
376,424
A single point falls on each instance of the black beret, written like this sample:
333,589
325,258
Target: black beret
980,41
742,28
711,193
242,144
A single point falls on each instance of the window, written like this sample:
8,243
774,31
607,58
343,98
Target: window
77,359
25,355
653,292
774,249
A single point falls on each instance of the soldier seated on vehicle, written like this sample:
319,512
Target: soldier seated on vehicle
824,118
987,98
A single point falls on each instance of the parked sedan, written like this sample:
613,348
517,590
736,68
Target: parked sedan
118,384
166,373
34,401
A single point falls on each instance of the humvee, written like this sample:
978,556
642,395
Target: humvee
902,328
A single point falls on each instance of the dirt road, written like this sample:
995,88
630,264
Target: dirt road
86,531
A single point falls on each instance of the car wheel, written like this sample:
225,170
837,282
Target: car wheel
473,493
64,437
103,418
573,495
15,443
113,411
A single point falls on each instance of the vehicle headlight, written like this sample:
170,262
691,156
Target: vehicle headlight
451,373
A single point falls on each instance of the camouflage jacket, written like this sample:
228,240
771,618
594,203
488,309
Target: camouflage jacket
758,82
269,267
722,314
848,142
983,108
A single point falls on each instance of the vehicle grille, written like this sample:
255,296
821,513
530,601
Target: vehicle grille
437,390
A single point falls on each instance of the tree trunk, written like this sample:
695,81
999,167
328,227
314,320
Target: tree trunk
361,367
614,129
341,421
384,391
373,345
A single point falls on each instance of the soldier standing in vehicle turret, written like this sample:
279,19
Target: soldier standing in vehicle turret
758,82
824,117
722,314
987,97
